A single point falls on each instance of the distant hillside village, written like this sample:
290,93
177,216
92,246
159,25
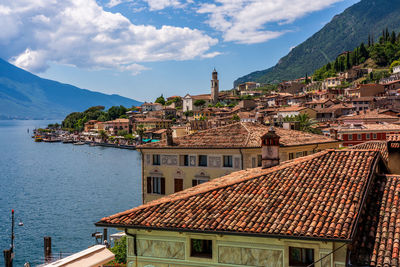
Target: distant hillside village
302,173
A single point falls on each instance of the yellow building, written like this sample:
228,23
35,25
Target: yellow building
153,123
324,210
196,158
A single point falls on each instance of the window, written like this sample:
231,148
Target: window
156,185
299,154
359,137
184,160
259,160
300,256
199,181
178,185
350,137
156,159
374,136
201,248
368,136
228,161
305,153
203,160
291,156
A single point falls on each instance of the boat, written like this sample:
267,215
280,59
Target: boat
68,141
38,138
79,143
20,223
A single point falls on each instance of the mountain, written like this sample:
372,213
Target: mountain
27,96
343,33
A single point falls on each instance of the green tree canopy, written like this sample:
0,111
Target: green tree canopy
160,100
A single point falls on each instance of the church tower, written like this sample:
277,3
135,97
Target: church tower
214,87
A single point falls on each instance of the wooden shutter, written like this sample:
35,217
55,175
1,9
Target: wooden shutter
148,185
178,185
162,186
194,182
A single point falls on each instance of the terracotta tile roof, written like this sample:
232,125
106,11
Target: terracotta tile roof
239,135
369,127
381,146
291,108
377,243
317,197
393,137
368,115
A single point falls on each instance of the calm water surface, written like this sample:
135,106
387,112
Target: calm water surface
59,190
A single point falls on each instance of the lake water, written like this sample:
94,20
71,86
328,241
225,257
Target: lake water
59,190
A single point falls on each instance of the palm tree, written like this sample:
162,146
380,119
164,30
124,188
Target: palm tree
306,123
140,132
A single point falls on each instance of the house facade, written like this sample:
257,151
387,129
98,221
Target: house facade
356,134
321,210
204,155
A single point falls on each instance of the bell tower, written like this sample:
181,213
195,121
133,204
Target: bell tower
214,87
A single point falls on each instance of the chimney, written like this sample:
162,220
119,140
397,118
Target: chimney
170,140
270,149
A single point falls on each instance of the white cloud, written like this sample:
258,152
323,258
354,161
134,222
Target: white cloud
246,21
82,34
113,3
161,4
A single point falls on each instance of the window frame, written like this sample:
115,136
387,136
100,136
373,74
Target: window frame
229,163
184,160
301,262
155,185
199,161
156,159
204,255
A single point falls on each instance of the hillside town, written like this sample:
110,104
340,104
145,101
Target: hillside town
359,113
302,174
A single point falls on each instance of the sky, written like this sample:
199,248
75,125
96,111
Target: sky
144,48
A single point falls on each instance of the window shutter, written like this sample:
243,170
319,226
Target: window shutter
148,185
162,186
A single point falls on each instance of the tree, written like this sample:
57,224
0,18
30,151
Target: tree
188,113
122,132
160,100
235,117
103,136
306,124
394,64
140,131
119,250
199,102
393,37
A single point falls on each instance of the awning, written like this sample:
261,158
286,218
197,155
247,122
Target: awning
91,257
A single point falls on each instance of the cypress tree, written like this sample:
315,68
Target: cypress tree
369,40
393,38
387,35
336,66
348,65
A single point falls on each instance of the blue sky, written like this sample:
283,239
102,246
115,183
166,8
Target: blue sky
141,49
